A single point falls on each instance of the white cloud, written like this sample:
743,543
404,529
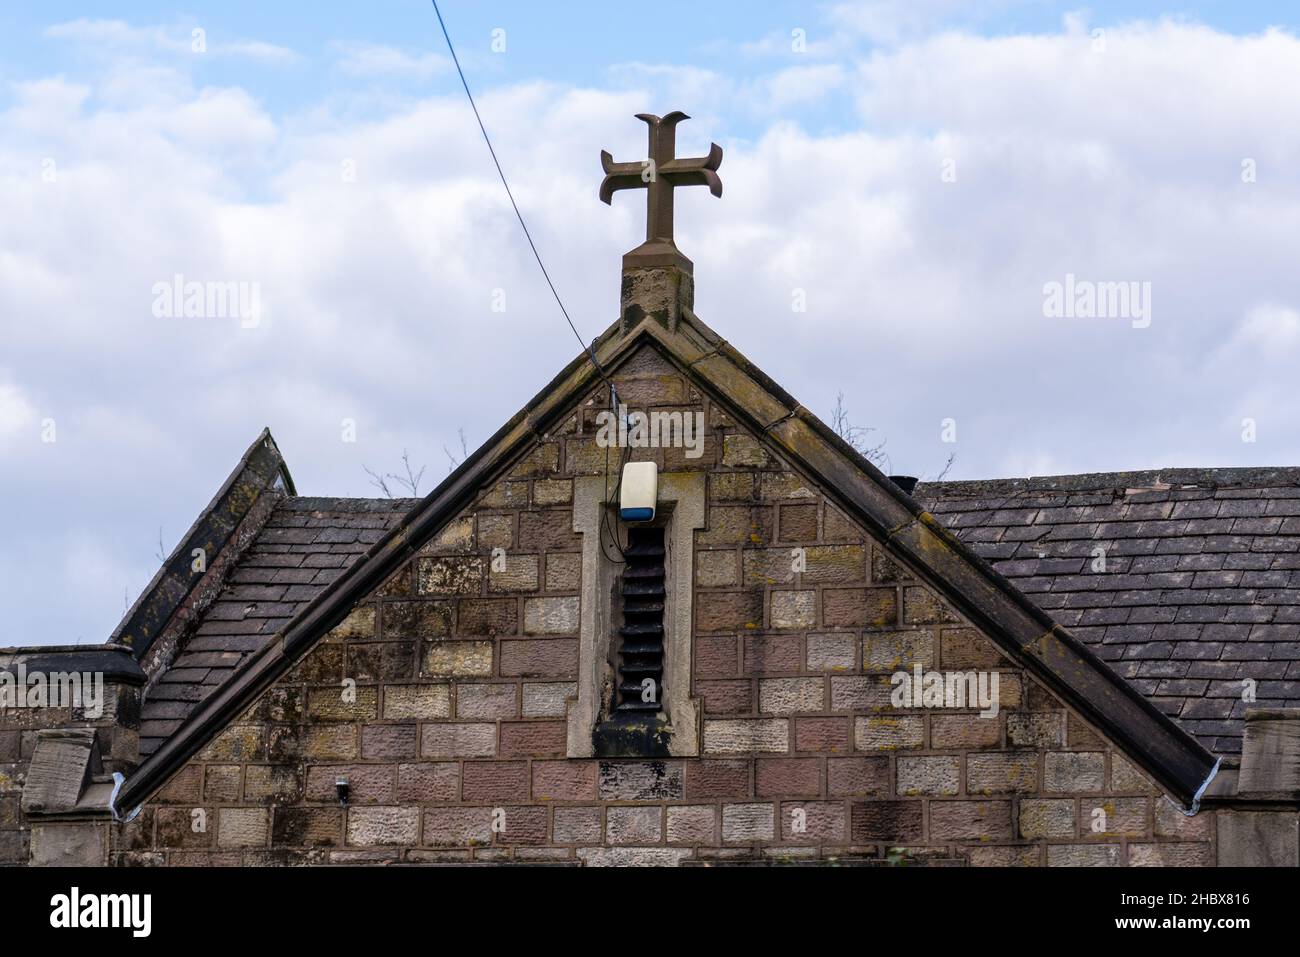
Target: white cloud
924,296
372,60
116,38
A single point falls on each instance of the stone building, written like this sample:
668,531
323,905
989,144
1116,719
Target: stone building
1103,665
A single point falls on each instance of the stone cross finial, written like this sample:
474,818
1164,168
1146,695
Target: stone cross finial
659,175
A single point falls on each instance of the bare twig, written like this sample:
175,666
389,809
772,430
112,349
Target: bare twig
408,483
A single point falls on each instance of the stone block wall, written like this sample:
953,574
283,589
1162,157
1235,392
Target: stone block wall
442,701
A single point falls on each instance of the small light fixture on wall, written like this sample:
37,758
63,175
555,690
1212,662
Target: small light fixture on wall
342,789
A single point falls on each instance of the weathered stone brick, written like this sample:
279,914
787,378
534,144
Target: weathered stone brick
716,656
794,609
564,780
1125,777
832,652
486,617
563,571
548,699
331,741
479,700
539,657
778,485
1170,854
307,827
551,616
1083,855
858,777
742,823
381,742
889,733
1007,855
520,573
1052,817
458,534
1114,817
729,611
964,648
1036,730
737,525
495,781
821,734
347,703
812,822
835,565
236,743
859,607
533,738
272,784
428,781
739,451
357,626
726,697
789,695
692,824
416,619
543,460
717,779
242,827
738,735
764,566
552,491
1014,773
221,782
929,774
549,530
837,527
893,821
642,780
457,826
897,651
970,820
716,569
787,777
458,658
451,575
861,693
922,606
183,827
765,654
964,731
459,740
417,701
633,856
1074,771
577,825
523,825
798,523
633,825
496,531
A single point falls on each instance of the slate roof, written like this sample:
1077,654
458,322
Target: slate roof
1201,586
305,545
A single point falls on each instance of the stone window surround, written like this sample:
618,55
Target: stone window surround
683,494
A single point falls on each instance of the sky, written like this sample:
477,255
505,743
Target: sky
912,191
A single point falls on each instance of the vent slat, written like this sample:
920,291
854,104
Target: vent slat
641,647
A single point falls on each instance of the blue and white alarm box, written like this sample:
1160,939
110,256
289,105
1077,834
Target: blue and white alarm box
638,492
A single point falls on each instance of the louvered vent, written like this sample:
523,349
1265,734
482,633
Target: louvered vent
641,646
